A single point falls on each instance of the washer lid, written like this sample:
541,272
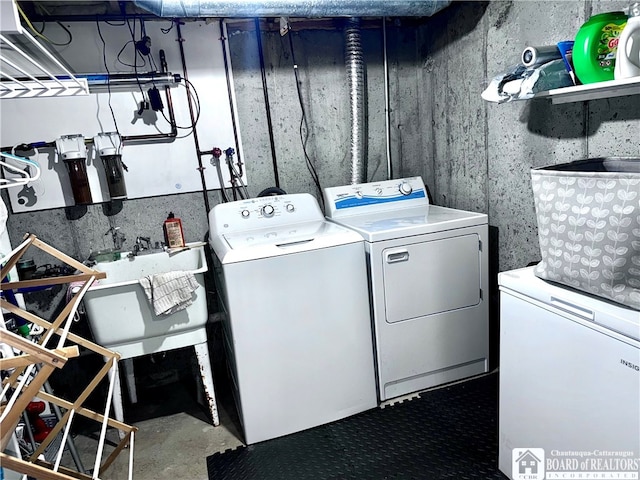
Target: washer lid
283,240
375,227
573,302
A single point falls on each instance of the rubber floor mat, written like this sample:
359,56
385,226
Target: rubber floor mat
447,433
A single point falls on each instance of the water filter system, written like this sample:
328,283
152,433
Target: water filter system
72,150
109,147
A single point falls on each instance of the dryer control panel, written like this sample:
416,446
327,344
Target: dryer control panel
372,197
263,212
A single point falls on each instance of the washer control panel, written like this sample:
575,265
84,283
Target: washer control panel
375,197
264,212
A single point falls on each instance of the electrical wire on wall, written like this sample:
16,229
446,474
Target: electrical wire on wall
193,93
304,128
189,87
170,120
106,67
40,33
141,48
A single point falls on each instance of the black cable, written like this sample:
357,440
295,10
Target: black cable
304,130
104,61
152,63
68,32
167,30
132,31
191,90
271,191
122,50
194,95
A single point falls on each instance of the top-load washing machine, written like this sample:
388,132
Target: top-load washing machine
428,282
297,329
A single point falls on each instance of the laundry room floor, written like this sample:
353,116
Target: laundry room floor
175,435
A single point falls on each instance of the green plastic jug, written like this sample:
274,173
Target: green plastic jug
595,47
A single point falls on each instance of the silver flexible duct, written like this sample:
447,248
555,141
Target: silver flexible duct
356,82
292,8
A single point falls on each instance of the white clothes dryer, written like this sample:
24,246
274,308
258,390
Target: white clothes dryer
428,269
296,327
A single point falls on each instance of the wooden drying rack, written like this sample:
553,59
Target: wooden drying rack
39,360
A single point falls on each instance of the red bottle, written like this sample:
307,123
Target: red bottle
173,234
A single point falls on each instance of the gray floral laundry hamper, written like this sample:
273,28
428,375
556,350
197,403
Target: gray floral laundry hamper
588,214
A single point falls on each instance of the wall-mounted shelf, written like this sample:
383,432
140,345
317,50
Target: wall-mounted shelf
593,91
27,68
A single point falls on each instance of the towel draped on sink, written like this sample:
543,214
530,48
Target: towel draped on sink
169,292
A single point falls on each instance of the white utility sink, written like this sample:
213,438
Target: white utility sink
121,318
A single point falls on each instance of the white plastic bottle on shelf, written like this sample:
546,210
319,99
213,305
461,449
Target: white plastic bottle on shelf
628,56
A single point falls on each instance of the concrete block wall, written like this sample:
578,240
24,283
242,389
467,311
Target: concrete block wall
472,154
522,135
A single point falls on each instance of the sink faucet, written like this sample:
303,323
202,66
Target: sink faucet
143,243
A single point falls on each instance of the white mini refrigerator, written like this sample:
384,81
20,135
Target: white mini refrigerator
569,381
296,327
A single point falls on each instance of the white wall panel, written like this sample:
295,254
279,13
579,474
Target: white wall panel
154,167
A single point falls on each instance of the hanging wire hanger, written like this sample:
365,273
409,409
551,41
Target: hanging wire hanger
25,173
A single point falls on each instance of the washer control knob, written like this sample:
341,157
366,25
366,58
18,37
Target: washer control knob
245,213
290,207
268,210
379,191
405,188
